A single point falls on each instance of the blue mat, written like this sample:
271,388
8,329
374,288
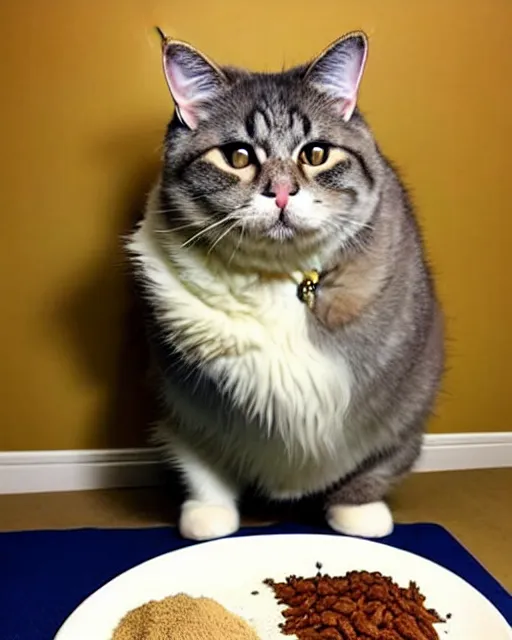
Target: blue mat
44,575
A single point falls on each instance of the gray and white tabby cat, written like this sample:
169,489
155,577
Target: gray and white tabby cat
266,177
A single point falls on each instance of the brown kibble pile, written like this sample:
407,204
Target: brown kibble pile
182,617
359,605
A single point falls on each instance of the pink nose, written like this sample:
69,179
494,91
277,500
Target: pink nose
282,195
280,190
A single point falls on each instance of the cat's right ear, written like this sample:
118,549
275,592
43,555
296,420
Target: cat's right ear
193,80
338,70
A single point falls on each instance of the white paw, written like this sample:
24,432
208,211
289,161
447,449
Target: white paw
203,521
372,520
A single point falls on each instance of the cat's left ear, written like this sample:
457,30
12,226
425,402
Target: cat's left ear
338,70
193,80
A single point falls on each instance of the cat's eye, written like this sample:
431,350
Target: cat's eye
314,154
238,156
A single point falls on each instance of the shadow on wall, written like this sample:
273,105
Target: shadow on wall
100,321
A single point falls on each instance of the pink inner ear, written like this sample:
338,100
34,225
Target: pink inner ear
339,72
189,117
347,108
181,90
355,73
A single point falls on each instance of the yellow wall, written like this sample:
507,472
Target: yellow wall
82,111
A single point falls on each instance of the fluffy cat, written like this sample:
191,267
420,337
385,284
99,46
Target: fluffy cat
266,177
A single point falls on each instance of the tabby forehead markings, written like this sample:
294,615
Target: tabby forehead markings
262,124
299,122
258,124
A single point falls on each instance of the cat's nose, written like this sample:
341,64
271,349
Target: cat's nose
281,191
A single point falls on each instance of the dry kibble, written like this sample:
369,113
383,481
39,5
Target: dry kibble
377,616
363,625
349,633
358,606
332,633
344,605
329,619
427,630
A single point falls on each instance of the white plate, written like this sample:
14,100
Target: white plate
229,570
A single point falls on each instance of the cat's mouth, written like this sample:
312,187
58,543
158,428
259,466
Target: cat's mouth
283,228
286,228
281,231
280,226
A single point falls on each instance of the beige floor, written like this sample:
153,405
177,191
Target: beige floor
476,506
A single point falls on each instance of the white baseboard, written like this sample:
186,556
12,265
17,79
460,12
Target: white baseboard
453,451
78,470
43,471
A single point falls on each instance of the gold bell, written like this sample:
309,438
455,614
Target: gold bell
306,290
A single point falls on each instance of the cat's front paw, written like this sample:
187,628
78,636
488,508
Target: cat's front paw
203,521
372,520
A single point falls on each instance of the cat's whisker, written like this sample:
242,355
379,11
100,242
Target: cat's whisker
239,242
352,221
172,211
206,230
223,235
202,196
182,208
180,228
358,226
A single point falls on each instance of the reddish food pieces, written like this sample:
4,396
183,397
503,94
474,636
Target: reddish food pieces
358,606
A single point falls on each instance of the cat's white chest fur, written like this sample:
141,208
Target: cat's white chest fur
252,336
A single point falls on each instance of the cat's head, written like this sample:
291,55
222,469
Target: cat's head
269,170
